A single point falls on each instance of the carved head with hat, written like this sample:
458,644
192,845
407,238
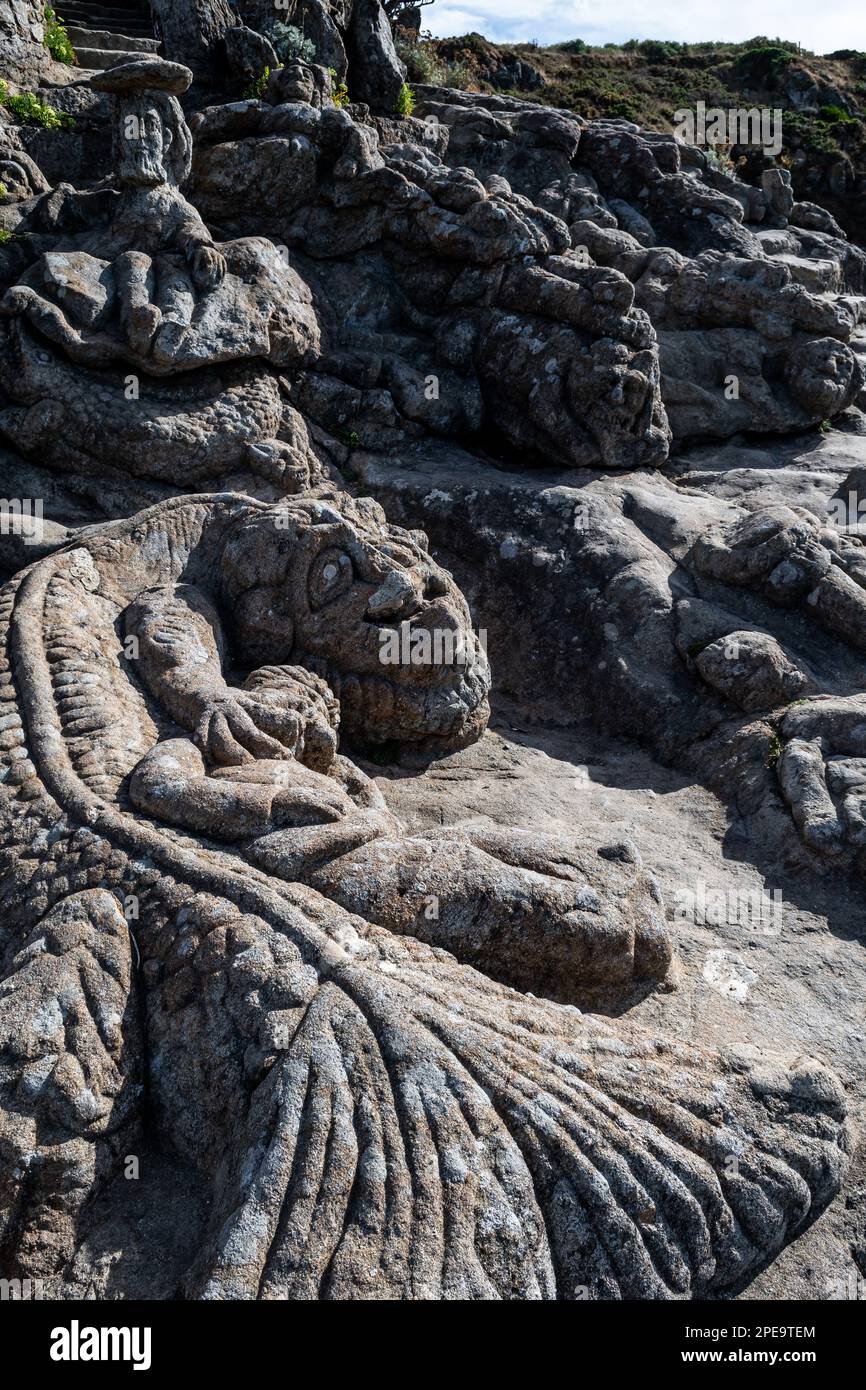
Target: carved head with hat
152,141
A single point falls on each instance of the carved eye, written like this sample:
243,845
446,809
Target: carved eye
330,576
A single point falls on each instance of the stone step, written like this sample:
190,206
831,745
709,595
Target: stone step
105,39
107,26
135,12
82,15
101,58
133,16
126,31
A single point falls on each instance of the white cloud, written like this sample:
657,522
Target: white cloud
822,28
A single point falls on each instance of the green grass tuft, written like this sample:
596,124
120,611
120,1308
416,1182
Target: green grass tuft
56,39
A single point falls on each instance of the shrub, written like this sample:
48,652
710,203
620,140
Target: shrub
56,39
422,64
29,110
339,90
458,74
809,133
572,46
256,90
766,62
405,101
762,41
290,44
834,114
657,50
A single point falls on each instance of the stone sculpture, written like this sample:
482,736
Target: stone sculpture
555,1155
96,331
528,310
218,945
723,303
711,618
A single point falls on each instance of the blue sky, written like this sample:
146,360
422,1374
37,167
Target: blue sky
820,27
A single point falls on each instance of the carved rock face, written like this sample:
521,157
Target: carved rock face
179,430
364,605
379,1100
467,1140
144,141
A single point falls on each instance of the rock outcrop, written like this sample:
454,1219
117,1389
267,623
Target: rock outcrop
536,1134
363,1044
22,30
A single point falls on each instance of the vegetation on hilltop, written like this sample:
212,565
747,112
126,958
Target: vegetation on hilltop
822,98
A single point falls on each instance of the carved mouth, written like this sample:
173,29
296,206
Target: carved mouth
384,709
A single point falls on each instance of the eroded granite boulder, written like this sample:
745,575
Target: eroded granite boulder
376,72
249,53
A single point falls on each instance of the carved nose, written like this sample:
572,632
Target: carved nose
397,597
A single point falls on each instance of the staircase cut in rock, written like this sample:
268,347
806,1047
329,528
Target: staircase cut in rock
121,17
104,36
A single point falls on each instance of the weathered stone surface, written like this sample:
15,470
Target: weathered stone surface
22,30
294,1003
145,287
222,936
192,30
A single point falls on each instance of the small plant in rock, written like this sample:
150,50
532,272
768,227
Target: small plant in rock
405,101
774,751
834,114
290,44
5,236
339,90
256,90
56,39
29,110
719,156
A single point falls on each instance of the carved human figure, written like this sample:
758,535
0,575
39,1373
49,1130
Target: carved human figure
259,767
145,281
368,1113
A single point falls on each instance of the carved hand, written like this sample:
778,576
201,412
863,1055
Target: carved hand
208,267
238,726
